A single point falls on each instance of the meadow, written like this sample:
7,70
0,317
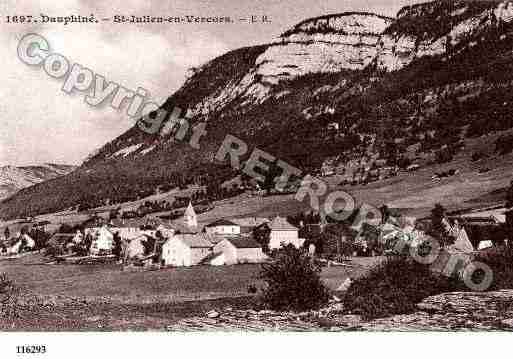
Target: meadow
97,297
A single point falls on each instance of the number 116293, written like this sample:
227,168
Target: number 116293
31,349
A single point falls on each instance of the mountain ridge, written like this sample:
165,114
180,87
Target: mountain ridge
13,179
413,88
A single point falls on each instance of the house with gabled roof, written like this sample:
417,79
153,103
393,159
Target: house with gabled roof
185,250
283,233
223,227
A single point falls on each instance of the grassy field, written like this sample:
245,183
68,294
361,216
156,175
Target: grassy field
171,284
106,297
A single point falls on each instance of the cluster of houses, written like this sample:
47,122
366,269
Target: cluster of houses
471,232
183,242
21,242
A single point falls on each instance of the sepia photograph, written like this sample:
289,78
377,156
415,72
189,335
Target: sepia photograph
213,167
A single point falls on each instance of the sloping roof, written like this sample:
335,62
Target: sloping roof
250,221
244,242
94,222
281,224
462,242
211,257
62,237
195,240
499,218
128,223
215,238
137,222
181,227
221,222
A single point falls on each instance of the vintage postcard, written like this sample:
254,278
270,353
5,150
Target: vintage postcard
255,167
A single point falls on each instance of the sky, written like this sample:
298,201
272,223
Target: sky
42,124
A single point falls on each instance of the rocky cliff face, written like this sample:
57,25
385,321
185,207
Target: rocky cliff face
441,28
324,45
12,179
340,87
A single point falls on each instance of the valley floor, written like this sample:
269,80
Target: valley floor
104,297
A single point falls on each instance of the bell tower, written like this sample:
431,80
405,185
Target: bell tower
190,217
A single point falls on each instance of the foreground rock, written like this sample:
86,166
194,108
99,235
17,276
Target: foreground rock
455,311
444,312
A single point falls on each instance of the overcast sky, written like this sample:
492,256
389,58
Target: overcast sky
43,124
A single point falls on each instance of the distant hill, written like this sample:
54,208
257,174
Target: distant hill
12,179
342,88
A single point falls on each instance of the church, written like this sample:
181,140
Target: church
187,247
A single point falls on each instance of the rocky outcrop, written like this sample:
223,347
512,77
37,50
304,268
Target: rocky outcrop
440,28
465,311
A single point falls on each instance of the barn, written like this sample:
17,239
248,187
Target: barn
238,250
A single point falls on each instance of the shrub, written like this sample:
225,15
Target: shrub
394,287
293,282
9,297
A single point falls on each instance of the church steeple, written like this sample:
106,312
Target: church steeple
190,217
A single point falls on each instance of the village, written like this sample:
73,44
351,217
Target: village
159,241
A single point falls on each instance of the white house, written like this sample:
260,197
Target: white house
103,240
238,250
247,224
126,228
184,250
22,243
284,233
223,227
